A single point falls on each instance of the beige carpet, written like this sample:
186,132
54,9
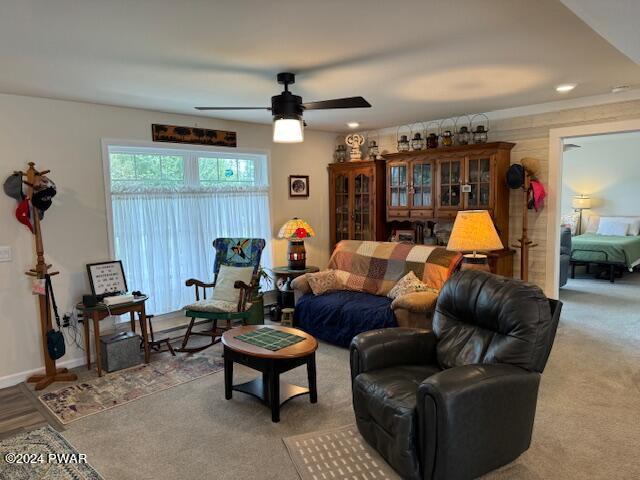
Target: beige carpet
587,424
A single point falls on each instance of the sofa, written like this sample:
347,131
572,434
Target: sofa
457,401
565,255
367,272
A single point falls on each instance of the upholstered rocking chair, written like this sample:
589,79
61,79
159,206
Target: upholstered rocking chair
235,272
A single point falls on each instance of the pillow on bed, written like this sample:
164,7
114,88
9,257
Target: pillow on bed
611,226
592,224
633,222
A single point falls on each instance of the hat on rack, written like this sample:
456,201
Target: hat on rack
537,195
13,186
515,176
531,165
23,214
42,196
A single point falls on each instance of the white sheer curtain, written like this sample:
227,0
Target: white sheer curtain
164,235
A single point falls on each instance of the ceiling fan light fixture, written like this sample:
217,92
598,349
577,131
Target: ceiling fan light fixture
288,130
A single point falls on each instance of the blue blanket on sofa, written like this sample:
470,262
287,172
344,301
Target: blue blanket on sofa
339,316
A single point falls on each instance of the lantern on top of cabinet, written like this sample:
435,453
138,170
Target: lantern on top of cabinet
373,149
446,136
340,155
417,142
403,140
403,144
480,133
463,135
432,137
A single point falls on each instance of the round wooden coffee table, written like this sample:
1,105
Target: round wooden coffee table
269,389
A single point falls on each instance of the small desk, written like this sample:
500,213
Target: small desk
100,312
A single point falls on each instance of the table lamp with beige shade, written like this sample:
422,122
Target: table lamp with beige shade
579,203
296,230
474,231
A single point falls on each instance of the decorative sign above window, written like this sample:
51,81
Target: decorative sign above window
194,135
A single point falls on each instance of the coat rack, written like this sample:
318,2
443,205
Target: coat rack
524,243
51,373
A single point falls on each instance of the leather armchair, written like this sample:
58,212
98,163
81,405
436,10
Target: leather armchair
457,401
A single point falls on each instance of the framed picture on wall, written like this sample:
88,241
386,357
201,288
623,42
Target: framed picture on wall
298,185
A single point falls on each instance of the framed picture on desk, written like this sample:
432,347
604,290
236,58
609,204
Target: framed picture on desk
107,278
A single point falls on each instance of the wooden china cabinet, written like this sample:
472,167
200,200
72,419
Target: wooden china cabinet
435,184
357,201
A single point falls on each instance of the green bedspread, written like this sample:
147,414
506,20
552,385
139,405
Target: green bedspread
606,248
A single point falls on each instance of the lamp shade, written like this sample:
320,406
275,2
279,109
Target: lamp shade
288,130
581,202
473,231
296,229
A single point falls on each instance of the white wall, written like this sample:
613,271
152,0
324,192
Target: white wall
65,138
607,168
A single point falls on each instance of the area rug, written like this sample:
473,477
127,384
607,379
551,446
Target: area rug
43,454
335,454
72,403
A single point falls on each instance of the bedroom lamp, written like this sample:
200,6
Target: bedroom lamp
473,231
296,230
579,203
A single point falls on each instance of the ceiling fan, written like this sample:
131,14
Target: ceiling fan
287,110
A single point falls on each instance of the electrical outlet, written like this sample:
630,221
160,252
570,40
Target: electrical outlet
5,254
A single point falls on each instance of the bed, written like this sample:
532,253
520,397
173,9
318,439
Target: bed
607,250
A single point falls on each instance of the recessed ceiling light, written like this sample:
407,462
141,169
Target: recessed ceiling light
353,124
564,88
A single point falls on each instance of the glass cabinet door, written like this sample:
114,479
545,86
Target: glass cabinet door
362,207
450,183
342,207
398,187
480,182
422,185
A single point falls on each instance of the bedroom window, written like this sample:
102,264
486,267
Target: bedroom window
167,205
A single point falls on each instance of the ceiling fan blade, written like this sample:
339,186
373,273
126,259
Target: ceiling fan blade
232,108
349,102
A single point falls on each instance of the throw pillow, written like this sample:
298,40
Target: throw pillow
407,284
633,222
323,282
570,220
416,302
227,277
610,226
592,223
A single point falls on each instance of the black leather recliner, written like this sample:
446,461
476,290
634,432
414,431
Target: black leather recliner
458,401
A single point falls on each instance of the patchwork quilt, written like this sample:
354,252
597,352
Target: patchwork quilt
375,267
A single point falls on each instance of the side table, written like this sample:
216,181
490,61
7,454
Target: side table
285,295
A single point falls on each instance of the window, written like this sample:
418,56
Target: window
168,205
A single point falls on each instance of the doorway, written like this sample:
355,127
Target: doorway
557,139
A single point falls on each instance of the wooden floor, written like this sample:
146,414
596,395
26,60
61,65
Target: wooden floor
18,412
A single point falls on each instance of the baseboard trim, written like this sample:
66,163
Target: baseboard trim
15,378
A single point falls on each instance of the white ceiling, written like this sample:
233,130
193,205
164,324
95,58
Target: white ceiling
412,59
615,20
